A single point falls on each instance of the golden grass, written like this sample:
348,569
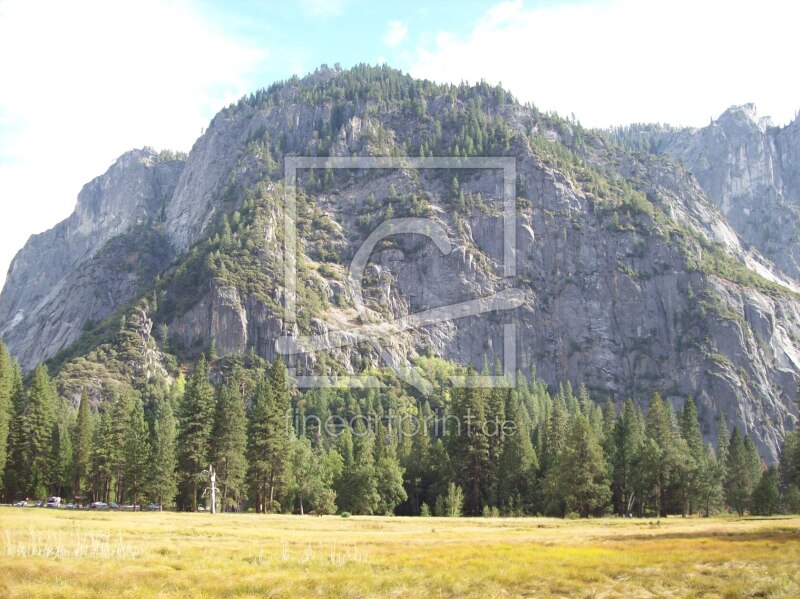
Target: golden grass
45,553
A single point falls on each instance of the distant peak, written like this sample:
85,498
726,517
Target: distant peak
745,114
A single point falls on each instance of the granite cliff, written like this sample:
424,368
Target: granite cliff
637,275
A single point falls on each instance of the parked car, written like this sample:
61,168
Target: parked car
53,502
113,506
99,505
22,503
40,504
70,506
153,507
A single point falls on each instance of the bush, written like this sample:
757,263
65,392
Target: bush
425,511
345,514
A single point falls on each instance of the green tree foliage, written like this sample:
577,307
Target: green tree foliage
517,464
229,444
766,498
579,480
194,437
627,439
82,447
40,415
468,444
661,458
5,408
389,482
162,484
742,473
137,455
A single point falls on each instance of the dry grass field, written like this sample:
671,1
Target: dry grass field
45,553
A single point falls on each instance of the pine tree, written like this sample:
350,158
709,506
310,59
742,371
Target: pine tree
194,437
39,422
358,488
694,457
229,444
740,480
162,486
60,458
115,437
82,448
468,444
137,454
580,479
766,497
268,438
659,430
518,464
389,482
283,433
627,441
5,411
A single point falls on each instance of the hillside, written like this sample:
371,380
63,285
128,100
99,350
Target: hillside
633,278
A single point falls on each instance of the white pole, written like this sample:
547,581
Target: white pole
213,485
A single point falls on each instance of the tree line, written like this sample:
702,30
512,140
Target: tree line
471,451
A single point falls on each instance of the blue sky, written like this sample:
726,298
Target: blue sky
83,81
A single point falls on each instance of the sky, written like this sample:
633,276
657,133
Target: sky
83,81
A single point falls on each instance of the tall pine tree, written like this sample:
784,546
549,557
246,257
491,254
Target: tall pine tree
194,437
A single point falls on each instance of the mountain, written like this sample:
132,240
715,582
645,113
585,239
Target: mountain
636,275
748,168
87,266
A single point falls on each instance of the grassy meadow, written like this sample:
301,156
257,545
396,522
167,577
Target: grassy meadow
47,553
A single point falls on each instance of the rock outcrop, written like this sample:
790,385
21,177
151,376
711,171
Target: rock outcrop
89,265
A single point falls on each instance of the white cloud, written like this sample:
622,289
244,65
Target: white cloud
624,61
84,82
396,34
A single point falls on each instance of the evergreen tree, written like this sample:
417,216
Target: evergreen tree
82,448
580,480
60,459
357,490
740,479
16,464
260,429
766,498
5,411
137,453
518,464
162,484
627,442
114,440
469,445
696,462
39,421
710,493
229,444
194,436
269,435
389,482
663,464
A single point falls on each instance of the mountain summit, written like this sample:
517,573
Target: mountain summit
638,275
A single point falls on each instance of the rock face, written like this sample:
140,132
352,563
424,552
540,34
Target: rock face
635,278
89,265
751,170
